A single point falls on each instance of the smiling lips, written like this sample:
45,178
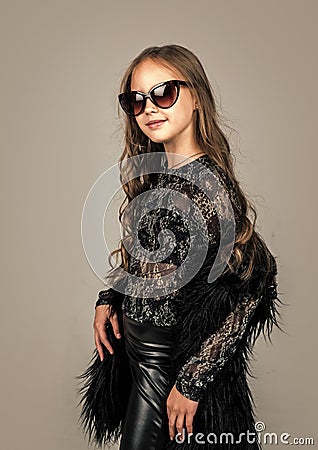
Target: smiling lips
155,123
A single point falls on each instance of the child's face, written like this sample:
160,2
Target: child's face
177,126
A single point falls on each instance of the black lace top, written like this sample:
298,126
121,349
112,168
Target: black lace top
195,212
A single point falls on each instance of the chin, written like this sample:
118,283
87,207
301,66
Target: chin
158,137
156,140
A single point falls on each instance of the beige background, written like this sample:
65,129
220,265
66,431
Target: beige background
61,62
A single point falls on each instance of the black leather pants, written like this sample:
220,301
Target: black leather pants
146,423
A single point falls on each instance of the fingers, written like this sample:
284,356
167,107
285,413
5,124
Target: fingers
114,321
172,420
175,422
100,336
99,349
180,423
189,423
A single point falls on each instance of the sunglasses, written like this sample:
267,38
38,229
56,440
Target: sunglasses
164,95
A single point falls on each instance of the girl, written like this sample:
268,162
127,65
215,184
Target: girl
187,348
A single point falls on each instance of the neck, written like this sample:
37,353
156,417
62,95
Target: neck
175,154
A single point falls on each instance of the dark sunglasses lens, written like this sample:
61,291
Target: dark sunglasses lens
131,102
165,95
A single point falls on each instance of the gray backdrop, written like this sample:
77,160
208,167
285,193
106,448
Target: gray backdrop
61,65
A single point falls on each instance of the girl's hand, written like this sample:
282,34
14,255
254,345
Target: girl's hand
102,316
179,408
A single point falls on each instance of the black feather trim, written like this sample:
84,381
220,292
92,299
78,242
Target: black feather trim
227,405
105,391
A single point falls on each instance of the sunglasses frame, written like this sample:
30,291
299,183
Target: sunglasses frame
144,95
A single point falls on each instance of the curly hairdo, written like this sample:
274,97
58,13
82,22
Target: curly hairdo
209,137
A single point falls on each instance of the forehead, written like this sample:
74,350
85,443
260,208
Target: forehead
149,73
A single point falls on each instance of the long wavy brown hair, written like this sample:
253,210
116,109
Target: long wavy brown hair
210,138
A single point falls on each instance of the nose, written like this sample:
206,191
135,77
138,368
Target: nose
150,107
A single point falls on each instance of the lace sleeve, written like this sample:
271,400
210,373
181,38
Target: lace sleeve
249,312
215,351
114,294
106,297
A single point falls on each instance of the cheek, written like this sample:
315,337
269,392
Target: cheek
140,124
143,127
137,119
183,117
183,111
